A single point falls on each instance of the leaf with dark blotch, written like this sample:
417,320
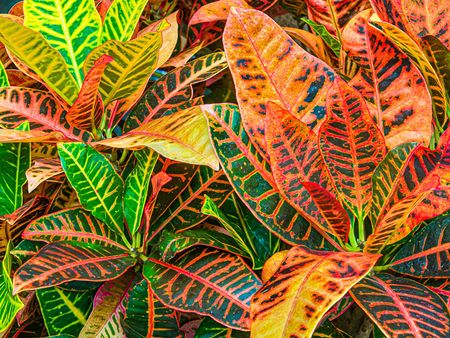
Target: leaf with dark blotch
62,262
205,281
352,146
306,285
402,307
271,66
72,225
146,316
39,108
252,179
427,253
393,87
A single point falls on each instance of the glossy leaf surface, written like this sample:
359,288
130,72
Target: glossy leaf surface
260,56
205,281
351,146
62,262
252,179
34,51
99,187
402,307
307,284
427,253
71,27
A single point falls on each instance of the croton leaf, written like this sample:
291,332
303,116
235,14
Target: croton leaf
61,262
173,91
72,225
99,187
439,56
121,19
4,82
209,328
435,85
335,14
31,136
307,284
352,146
9,304
295,158
33,50
86,112
109,310
184,211
402,115
402,307
216,10
71,27
38,107
328,330
133,64
15,162
258,63
426,254
252,179
136,188
205,281
329,39
146,316
171,243
42,170
428,17
182,136
64,312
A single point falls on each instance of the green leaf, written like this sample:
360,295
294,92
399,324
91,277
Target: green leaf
255,240
146,316
211,329
26,249
16,158
329,39
64,312
72,225
4,82
171,243
36,53
328,330
198,280
136,188
72,27
133,64
121,19
99,187
62,262
426,254
9,304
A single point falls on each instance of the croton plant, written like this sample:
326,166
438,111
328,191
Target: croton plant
225,168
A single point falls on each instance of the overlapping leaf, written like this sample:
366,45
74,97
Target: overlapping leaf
42,170
39,108
136,188
305,286
109,309
64,312
62,262
402,115
352,146
271,66
99,187
182,136
148,317
173,91
71,27
72,225
216,10
427,253
185,211
210,328
252,179
3,76
35,52
402,307
205,281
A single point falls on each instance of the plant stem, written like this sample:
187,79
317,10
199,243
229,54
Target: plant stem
381,267
361,231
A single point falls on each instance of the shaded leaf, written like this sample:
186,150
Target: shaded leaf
209,329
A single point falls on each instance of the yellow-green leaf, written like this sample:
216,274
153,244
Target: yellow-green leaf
3,76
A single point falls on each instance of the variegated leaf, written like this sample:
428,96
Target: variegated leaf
205,281
42,170
61,262
293,301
